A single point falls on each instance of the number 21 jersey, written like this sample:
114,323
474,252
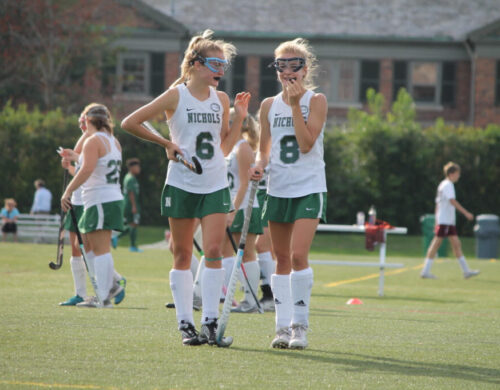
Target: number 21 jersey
292,173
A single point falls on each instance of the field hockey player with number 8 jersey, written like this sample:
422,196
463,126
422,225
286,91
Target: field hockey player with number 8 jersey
292,125
198,118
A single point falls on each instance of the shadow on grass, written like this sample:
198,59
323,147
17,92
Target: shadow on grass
377,364
389,298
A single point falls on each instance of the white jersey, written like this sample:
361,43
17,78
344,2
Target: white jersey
293,174
195,127
76,196
103,185
233,177
445,213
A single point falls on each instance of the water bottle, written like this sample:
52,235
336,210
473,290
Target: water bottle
372,215
360,218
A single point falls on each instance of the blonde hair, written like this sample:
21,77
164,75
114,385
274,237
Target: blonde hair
450,168
302,48
200,45
99,115
10,201
249,129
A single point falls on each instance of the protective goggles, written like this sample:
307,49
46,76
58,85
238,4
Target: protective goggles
294,64
213,63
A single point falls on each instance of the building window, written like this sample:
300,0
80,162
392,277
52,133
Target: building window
339,81
448,84
497,85
239,69
424,82
400,78
157,80
269,84
370,78
133,73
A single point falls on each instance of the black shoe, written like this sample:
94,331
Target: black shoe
190,335
267,293
208,332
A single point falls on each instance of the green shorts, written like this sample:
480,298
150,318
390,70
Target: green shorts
68,221
288,210
255,222
261,197
102,216
177,203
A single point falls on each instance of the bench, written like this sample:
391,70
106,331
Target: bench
39,228
381,264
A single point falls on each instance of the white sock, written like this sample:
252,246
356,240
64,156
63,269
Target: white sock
427,266
253,274
198,277
181,284
194,265
116,276
111,271
90,257
301,283
267,266
211,286
227,265
280,285
103,275
463,263
79,275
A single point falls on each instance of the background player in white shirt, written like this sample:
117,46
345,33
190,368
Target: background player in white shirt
446,204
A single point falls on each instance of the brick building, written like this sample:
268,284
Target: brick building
445,53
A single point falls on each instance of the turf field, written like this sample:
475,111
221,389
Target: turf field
424,334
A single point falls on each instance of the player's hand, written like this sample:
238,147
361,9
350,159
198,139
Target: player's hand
66,201
241,104
255,173
69,154
65,163
172,149
295,90
469,216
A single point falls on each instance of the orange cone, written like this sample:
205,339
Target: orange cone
354,301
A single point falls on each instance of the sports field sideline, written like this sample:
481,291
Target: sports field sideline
425,334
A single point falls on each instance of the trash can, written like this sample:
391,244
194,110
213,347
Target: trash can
487,231
428,222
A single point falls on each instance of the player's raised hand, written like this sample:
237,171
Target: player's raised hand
241,104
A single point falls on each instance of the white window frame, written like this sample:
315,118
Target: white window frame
120,72
437,98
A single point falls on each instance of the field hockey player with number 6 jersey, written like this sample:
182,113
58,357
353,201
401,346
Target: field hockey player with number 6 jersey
292,125
99,176
198,118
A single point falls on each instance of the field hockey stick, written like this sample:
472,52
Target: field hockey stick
194,166
231,238
60,241
90,270
231,288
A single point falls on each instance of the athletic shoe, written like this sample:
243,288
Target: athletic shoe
299,337
267,305
115,291
282,338
106,304
121,295
72,301
428,276
135,249
89,302
114,242
245,307
190,335
471,273
208,334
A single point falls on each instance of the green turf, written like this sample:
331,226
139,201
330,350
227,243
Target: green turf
424,334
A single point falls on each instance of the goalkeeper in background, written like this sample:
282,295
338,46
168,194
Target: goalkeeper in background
132,210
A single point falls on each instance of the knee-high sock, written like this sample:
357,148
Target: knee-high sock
79,275
103,265
280,285
125,231
427,266
463,263
181,284
267,266
211,286
227,265
90,257
116,276
133,236
253,274
301,285
198,277
194,265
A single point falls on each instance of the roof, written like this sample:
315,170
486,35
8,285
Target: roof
445,20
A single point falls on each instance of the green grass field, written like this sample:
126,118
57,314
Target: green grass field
424,334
